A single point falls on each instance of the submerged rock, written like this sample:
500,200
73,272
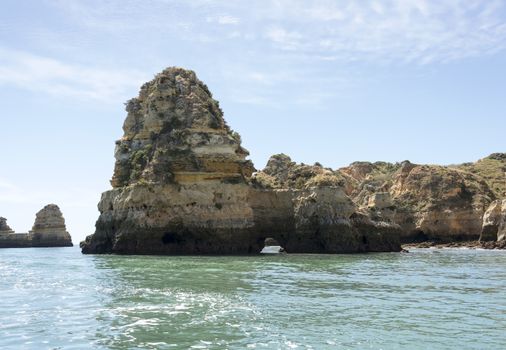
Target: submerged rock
182,185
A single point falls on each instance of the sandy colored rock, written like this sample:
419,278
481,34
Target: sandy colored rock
492,169
49,228
494,222
174,132
48,231
428,202
182,185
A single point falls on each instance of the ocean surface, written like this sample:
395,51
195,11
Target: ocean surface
56,298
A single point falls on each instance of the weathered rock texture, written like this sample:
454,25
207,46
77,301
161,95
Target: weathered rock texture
182,185
48,231
429,202
494,222
4,228
492,169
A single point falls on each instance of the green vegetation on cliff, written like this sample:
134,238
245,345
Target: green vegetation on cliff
492,169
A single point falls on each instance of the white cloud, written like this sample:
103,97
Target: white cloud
270,40
287,40
51,76
419,31
224,19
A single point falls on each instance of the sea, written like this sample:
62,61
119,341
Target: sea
57,298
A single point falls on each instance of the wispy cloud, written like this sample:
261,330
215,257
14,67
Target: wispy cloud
419,31
287,40
223,19
51,76
271,41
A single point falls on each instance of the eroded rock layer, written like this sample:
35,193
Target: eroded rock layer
49,228
494,222
182,185
4,228
429,202
48,231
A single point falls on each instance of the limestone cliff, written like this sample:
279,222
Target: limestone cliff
182,185
492,169
321,200
175,133
429,202
494,222
48,231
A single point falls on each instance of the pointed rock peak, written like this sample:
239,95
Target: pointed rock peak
278,163
175,133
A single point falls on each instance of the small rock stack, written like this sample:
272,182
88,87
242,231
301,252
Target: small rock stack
49,229
4,228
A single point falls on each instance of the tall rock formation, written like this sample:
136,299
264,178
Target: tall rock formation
182,185
49,228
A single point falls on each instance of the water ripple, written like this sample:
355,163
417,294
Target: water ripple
438,299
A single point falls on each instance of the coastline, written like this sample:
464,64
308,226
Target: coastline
500,245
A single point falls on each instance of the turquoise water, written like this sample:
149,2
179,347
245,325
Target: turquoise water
56,298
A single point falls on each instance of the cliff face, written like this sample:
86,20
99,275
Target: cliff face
429,202
492,169
322,207
48,231
182,185
179,180
494,222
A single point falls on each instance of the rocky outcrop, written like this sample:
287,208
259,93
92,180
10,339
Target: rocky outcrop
492,169
4,228
49,228
182,185
322,208
428,202
494,222
48,231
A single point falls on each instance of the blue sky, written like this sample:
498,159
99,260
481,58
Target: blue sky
327,81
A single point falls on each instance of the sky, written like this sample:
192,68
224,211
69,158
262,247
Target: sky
327,81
